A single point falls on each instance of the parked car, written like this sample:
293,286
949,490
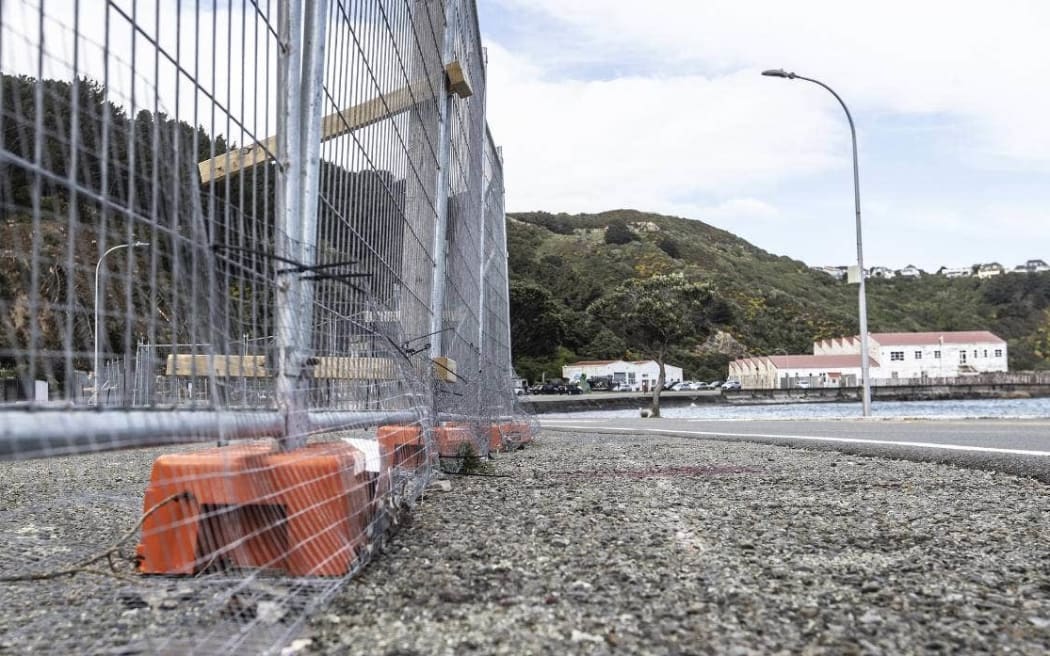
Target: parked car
714,384
571,389
731,385
802,384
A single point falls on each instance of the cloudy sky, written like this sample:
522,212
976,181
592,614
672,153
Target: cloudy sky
660,106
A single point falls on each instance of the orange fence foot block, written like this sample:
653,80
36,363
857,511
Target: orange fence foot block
304,512
508,436
453,439
403,445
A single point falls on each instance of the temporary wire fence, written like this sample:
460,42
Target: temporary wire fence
275,226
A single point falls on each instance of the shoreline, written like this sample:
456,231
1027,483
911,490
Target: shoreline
545,404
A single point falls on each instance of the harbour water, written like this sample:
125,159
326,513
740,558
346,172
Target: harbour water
967,409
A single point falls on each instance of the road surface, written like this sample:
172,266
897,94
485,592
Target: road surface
1014,446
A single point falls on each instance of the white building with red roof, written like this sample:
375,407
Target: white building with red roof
785,371
892,356
944,354
636,374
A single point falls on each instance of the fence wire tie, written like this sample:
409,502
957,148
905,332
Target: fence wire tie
401,350
406,346
298,267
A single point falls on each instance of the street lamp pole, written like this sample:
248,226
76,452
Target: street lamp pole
862,302
98,268
787,365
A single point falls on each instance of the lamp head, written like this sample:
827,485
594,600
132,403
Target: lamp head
778,72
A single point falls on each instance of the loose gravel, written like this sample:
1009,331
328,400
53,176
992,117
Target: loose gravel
607,544
579,544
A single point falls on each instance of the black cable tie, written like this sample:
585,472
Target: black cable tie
335,278
416,339
263,254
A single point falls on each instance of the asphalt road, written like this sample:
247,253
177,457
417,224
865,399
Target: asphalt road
1014,446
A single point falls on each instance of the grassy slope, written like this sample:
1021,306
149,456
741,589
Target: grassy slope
780,302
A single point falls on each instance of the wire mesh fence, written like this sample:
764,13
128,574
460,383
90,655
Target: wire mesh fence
275,226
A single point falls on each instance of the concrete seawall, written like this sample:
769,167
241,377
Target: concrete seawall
634,400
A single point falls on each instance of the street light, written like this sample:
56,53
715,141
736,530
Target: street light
98,267
862,302
787,364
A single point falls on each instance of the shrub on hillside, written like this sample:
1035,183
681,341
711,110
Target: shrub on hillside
618,233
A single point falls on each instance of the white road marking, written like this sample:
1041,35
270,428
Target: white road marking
807,438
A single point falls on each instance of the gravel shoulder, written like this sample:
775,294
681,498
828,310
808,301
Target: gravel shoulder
621,544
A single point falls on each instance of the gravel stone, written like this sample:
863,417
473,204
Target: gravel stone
634,545
620,544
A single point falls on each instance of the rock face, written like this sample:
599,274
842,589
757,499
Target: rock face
598,544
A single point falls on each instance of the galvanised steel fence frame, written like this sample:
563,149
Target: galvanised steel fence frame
268,224
315,177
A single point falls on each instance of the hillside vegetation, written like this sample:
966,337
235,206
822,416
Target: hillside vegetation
560,264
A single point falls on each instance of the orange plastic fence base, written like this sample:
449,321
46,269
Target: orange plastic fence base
304,512
452,437
403,445
510,435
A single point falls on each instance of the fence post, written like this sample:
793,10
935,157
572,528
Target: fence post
440,247
300,76
479,179
507,359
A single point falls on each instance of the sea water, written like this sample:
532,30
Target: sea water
968,409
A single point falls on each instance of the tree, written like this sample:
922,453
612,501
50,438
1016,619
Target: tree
659,313
669,246
537,326
618,233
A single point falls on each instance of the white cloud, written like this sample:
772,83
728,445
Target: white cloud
983,61
648,143
660,106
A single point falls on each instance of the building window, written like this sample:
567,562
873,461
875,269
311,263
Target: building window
936,355
962,357
975,353
897,356
918,355
985,354
998,353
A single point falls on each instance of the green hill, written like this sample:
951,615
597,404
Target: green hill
560,264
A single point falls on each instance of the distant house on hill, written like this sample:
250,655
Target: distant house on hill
881,272
955,272
910,271
989,270
639,374
838,273
1031,266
